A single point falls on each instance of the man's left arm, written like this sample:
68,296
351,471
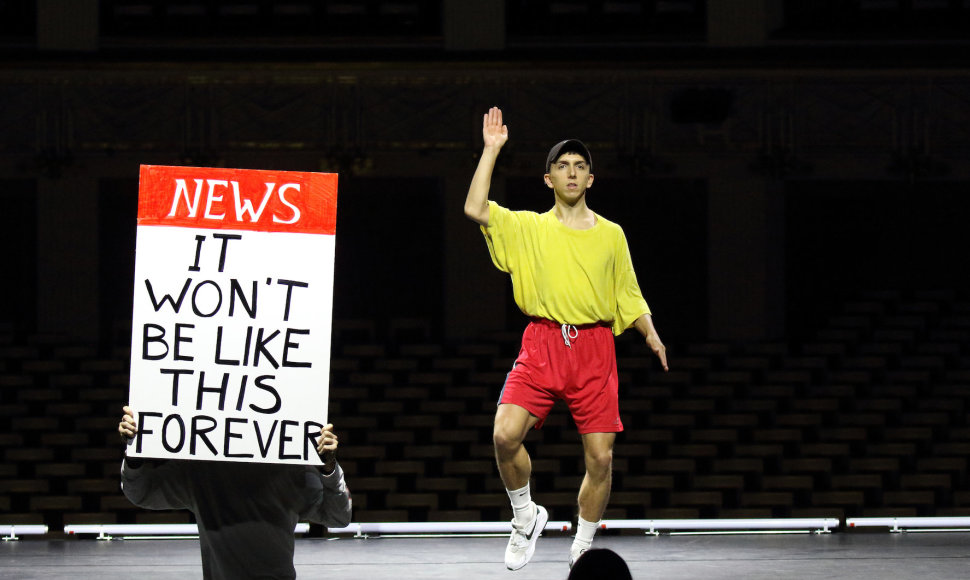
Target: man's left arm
644,326
630,300
331,504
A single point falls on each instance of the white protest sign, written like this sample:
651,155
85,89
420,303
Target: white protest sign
231,325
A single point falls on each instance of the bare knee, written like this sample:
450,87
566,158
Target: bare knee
506,441
599,463
512,423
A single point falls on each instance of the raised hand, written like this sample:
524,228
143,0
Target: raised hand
494,132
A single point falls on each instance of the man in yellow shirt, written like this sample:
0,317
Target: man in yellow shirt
573,276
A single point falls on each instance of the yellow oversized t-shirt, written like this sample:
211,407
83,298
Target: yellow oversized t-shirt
563,274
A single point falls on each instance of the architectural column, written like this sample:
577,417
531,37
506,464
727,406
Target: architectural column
743,22
67,25
67,257
475,292
474,26
746,261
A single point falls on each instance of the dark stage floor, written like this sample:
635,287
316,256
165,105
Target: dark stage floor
839,555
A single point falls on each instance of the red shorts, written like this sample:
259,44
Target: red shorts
574,364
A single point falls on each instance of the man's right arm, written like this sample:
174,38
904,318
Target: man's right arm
494,135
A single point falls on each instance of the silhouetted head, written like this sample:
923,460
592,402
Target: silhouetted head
600,563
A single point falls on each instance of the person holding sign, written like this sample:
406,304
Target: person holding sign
573,276
246,512
232,313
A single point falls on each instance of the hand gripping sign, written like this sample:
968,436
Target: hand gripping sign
230,342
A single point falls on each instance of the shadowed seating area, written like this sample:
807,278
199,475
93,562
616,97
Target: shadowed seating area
867,420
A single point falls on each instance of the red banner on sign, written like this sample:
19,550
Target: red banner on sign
238,199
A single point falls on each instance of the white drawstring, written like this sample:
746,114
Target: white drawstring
569,332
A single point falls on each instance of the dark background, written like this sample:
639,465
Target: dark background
793,178
848,120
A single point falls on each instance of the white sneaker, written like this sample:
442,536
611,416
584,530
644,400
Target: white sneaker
574,554
522,542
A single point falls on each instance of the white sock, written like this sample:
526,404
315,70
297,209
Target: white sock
522,507
584,535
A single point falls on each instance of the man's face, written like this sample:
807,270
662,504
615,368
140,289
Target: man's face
569,176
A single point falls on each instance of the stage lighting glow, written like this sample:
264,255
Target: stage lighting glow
902,524
168,531
14,532
439,528
753,525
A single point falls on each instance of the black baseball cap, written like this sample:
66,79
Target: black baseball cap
567,146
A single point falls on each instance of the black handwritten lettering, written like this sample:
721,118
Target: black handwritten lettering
235,290
219,360
225,247
284,438
195,299
143,431
230,435
176,373
202,432
311,432
264,448
179,339
242,392
261,382
275,439
261,348
181,434
148,339
294,345
198,253
221,390
176,304
290,284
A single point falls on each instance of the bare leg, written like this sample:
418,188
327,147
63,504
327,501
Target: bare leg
594,494
512,424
